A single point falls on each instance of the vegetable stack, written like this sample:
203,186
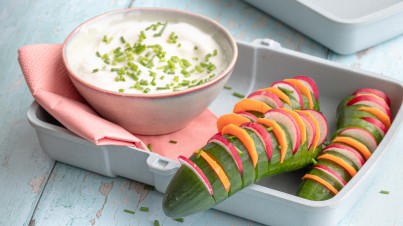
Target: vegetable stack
273,130
362,120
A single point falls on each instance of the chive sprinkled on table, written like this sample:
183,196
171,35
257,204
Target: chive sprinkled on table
129,211
239,95
384,192
144,209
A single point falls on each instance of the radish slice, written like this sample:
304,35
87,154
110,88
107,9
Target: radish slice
285,119
375,92
293,91
230,148
310,83
263,135
371,101
197,171
310,129
322,124
378,124
248,115
348,152
361,135
269,98
331,173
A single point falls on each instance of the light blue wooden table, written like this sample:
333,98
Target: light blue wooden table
35,190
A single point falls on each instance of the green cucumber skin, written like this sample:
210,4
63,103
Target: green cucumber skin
262,166
179,189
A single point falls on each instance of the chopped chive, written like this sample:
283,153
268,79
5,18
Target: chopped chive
153,83
239,151
215,52
239,95
198,153
269,129
129,211
98,54
121,90
278,146
95,70
144,209
162,77
122,39
208,57
314,161
150,147
156,223
162,87
173,141
179,45
162,29
147,90
228,87
176,78
384,192
149,187
179,220
195,48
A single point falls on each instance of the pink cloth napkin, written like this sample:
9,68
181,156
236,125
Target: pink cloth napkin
47,78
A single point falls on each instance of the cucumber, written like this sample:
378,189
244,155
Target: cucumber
317,185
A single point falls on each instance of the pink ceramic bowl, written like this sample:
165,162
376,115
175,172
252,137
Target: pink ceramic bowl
153,114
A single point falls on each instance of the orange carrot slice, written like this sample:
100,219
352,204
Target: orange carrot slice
218,170
317,128
340,162
251,105
384,118
244,137
279,133
304,90
279,93
355,144
300,123
232,118
322,182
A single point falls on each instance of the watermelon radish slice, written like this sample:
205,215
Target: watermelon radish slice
310,129
371,101
375,92
320,118
197,171
263,135
269,98
378,124
361,135
248,115
290,90
285,119
310,83
331,173
347,151
229,147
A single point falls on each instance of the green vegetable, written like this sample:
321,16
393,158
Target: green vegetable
239,95
129,211
144,209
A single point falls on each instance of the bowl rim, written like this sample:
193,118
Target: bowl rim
216,79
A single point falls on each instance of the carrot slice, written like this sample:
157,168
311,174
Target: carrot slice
384,118
279,133
244,137
317,128
300,123
304,90
340,162
279,93
251,105
218,170
322,182
232,118
355,144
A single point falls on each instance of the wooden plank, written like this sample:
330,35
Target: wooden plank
24,168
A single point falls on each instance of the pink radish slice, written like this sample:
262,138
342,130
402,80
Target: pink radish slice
310,129
197,171
362,135
295,93
285,119
264,136
378,124
371,101
347,151
322,124
310,83
373,91
230,148
331,173
247,115
270,99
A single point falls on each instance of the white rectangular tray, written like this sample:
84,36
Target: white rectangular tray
344,26
272,201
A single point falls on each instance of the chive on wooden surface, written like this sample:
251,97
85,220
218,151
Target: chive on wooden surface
35,190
